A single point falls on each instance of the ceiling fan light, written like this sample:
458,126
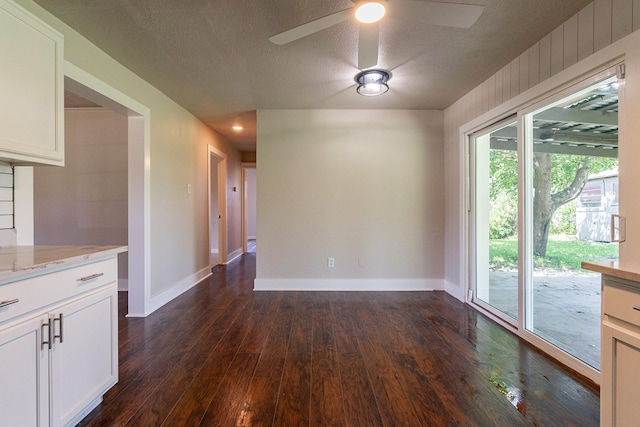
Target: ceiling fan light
369,12
372,82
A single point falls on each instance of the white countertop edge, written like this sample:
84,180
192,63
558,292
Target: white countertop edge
48,258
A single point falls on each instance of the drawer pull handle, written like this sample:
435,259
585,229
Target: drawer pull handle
91,277
8,302
636,308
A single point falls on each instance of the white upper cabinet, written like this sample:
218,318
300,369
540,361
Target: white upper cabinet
31,89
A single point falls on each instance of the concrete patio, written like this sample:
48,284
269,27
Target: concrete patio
566,308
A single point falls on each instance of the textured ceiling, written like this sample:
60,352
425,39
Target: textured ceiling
213,56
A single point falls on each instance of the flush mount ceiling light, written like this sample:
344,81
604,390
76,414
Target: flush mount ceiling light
372,82
369,12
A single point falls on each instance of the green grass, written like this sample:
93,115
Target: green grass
562,253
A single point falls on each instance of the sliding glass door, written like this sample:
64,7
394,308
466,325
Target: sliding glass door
495,225
573,192
544,185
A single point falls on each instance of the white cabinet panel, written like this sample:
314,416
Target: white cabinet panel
24,376
627,380
31,93
85,360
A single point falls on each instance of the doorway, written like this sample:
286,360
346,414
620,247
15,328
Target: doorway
138,181
137,278
217,180
86,202
249,201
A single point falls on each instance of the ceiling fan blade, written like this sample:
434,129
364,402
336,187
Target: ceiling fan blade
311,27
435,13
368,42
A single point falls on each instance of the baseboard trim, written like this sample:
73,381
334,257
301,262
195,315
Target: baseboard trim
454,290
177,289
233,255
348,285
123,284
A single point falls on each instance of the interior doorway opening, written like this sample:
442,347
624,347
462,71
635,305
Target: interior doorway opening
138,181
132,202
86,201
249,207
217,170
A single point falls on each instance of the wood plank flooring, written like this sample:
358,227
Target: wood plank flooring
223,355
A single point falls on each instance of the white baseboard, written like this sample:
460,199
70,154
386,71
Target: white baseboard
123,284
233,255
454,290
251,237
177,289
348,285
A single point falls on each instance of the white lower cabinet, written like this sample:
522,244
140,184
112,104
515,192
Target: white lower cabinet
24,378
620,376
56,364
84,365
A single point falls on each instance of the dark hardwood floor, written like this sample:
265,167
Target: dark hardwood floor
223,355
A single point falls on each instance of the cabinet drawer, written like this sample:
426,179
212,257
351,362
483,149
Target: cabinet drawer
621,302
38,292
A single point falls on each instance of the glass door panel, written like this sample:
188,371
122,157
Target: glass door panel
574,180
495,224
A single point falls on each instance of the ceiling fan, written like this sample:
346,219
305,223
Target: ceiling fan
369,13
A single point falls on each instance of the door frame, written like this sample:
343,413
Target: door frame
221,170
563,88
472,292
138,182
245,206
139,188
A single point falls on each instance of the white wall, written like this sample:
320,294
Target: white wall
576,48
179,247
350,184
85,202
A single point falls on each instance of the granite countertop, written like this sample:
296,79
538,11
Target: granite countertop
19,261
615,269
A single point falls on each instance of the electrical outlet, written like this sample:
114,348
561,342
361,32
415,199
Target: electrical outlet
331,262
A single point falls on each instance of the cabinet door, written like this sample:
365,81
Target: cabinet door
85,354
620,376
24,374
31,76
